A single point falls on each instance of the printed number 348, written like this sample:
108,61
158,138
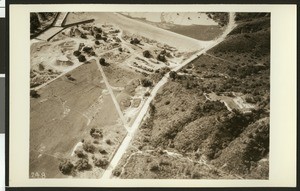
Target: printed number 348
38,175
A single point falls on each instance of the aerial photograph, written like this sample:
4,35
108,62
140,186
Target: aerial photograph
149,95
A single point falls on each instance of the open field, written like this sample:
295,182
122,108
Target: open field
146,30
195,25
66,111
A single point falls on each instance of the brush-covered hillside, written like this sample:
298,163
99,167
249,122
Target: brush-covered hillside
40,21
211,120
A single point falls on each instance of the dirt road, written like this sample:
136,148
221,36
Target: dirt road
124,145
112,95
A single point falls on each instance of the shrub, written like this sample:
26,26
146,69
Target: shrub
34,94
96,133
34,22
108,141
147,94
147,54
116,173
70,77
134,41
87,49
173,75
154,167
104,38
97,42
103,163
98,30
146,82
83,36
41,67
79,153
82,164
102,61
89,147
98,36
66,167
102,151
161,57
76,53
81,58
120,49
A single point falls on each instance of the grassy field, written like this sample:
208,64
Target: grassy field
65,112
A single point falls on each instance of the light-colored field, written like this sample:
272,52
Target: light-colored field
182,18
64,114
181,42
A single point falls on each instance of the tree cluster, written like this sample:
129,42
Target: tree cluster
66,167
146,82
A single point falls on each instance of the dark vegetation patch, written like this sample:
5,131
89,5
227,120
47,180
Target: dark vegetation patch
199,32
159,165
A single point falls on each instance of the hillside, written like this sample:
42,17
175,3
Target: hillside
214,112
40,21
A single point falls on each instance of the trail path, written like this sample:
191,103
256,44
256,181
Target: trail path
112,95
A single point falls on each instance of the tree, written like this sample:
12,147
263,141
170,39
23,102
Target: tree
146,82
83,36
173,75
98,30
41,67
87,49
88,147
97,42
161,57
34,94
103,163
93,53
102,151
147,54
79,153
108,141
76,53
104,38
117,173
98,36
81,58
66,167
34,22
96,133
82,164
102,61
134,41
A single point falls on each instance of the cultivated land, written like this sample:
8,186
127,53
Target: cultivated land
120,98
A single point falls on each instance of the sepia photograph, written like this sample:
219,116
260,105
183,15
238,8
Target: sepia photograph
149,95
